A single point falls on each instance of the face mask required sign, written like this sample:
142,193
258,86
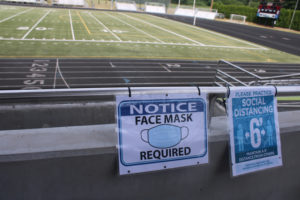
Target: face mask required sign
254,131
159,132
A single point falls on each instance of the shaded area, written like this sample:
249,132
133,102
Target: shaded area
96,177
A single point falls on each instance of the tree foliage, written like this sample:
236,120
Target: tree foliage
288,4
284,18
249,8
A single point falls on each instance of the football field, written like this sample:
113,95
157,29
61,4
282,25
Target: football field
69,33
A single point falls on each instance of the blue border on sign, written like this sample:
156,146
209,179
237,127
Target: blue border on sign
248,118
166,160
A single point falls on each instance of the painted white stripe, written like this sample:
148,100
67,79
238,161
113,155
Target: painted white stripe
37,23
107,72
135,28
165,68
8,18
54,83
71,24
112,65
150,83
166,30
212,32
105,27
234,47
118,77
125,62
61,75
130,42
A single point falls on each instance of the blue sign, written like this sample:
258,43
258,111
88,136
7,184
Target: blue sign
254,130
158,132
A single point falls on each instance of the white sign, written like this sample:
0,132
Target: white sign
129,5
184,12
155,8
206,15
160,132
254,130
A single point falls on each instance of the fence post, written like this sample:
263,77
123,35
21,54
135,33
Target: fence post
294,14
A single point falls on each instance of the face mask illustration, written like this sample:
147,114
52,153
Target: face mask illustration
164,136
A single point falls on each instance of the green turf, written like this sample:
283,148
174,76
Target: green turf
292,98
100,34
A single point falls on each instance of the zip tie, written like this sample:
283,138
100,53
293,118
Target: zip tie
129,92
199,92
275,90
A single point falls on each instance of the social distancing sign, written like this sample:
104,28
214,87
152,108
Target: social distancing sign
161,131
254,129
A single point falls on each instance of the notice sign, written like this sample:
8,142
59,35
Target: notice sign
254,130
160,132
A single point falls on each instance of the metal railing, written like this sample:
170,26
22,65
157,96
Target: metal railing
223,78
104,92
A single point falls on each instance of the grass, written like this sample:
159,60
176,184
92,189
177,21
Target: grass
291,98
44,32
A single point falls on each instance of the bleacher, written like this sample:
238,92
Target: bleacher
69,2
152,7
206,13
126,5
199,13
26,1
184,12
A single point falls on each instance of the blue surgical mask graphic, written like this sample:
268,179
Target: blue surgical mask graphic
164,136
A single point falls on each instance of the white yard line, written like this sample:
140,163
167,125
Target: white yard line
8,18
135,28
166,30
71,24
212,32
37,23
129,42
105,27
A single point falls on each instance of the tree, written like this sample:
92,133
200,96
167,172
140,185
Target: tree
290,4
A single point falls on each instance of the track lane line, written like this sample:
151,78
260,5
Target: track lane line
55,74
118,72
117,77
112,84
60,73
